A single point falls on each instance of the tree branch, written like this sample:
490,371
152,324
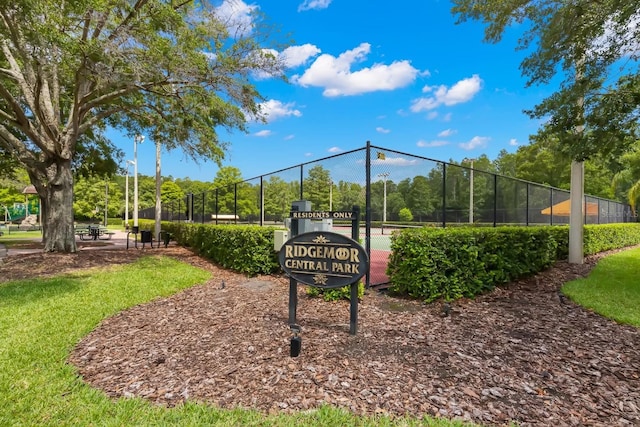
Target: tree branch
101,100
43,108
124,25
8,73
14,145
94,120
25,73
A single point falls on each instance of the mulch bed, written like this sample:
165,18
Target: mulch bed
523,353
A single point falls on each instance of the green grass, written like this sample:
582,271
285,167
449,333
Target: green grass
612,289
42,320
19,235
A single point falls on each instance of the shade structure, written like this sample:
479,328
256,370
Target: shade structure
564,209
30,189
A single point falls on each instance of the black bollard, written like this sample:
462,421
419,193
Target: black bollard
296,341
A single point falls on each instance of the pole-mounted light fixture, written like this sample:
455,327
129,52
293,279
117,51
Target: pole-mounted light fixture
139,139
384,177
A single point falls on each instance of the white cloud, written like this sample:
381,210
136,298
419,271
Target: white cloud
236,15
432,115
476,142
314,4
380,129
273,110
461,92
335,150
337,78
298,55
291,57
289,137
432,144
308,154
513,142
447,132
263,133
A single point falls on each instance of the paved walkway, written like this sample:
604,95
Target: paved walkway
117,241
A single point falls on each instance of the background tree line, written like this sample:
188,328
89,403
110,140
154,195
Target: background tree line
539,162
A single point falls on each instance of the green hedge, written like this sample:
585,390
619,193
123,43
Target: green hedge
599,238
247,249
426,263
452,263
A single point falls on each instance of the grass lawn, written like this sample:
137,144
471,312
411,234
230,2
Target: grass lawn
612,289
41,320
19,235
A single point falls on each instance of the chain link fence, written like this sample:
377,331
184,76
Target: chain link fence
394,190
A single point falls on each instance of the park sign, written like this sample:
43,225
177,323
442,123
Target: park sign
323,259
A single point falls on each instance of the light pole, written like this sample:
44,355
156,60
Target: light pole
126,196
330,194
139,139
384,177
158,211
106,203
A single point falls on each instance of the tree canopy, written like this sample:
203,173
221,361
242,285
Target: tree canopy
177,71
593,45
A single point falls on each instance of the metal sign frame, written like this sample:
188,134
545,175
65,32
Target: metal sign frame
354,217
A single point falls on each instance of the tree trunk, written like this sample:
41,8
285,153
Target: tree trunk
57,210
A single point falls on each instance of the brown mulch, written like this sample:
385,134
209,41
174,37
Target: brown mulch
523,353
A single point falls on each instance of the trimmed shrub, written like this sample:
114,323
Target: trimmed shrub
247,249
452,263
335,294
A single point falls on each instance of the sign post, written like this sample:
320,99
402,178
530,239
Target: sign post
324,259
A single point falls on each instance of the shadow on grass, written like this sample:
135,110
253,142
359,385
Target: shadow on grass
27,291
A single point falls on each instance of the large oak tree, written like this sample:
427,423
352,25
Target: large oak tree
172,69
593,46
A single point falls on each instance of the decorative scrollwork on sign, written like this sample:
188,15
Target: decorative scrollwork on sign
320,279
321,239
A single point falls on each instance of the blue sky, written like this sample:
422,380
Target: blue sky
403,76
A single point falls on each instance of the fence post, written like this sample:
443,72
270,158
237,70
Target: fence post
495,199
444,194
551,205
527,206
261,201
235,203
217,208
367,210
301,182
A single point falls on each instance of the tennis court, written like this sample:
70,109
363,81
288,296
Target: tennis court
380,252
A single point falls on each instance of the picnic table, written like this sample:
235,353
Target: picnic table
93,232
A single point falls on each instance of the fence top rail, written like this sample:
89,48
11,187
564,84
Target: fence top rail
307,163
